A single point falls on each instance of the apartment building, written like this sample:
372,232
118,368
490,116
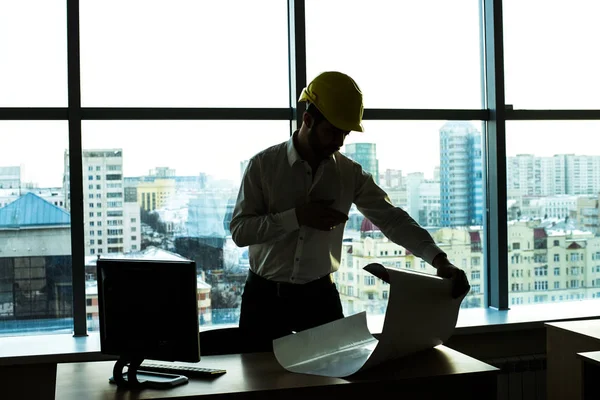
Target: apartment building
529,175
586,213
545,264
550,264
360,290
111,224
155,193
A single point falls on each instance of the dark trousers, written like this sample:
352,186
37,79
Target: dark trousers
271,310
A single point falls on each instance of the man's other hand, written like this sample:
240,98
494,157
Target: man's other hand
318,215
445,269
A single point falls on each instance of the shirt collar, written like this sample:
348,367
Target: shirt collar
293,155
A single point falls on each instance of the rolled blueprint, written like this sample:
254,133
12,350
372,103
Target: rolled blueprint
421,314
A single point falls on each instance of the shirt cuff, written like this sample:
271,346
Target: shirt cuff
288,220
430,252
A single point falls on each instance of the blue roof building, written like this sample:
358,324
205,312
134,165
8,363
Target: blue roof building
30,211
35,260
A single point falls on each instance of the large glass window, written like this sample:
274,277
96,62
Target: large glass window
35,230
179,183
33,49
433,170
553,186
168,187
184,53
549,54
403,54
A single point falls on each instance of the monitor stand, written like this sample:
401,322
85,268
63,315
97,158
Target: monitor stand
135,379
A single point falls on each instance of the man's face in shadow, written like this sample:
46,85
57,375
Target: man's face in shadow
324,138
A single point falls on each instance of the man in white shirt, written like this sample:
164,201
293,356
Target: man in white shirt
291,209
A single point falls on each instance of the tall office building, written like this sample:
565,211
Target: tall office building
366,155
461,171
111,222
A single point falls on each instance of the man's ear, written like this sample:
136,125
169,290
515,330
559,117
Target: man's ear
307,119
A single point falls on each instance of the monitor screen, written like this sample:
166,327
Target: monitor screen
148,309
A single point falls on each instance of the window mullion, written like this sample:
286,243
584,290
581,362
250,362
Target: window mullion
495,223
297,59
75,170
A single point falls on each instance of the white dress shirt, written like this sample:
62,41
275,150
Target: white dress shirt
277,180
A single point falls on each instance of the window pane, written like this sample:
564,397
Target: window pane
553,186
170,187
549,54
229,53
402,54
440,186
35,230
33,45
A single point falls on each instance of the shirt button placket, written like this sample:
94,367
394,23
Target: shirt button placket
300,243
308,176
298,254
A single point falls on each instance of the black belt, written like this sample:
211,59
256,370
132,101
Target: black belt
285,289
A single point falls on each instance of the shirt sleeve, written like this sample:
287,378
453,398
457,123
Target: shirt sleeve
395,223
251,223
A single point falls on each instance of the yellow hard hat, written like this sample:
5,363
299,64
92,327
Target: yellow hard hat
338,98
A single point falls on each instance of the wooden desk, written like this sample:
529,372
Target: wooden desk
28,363
437,373
563,341
590,374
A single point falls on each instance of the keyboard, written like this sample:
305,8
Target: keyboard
191,371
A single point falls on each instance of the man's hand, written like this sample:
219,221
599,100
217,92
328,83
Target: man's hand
318,215
445,269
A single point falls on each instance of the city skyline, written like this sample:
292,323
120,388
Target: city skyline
424,196
40,153
533,241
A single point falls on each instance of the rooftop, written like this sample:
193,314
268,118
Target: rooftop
30,210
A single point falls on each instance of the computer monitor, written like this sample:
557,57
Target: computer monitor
148,309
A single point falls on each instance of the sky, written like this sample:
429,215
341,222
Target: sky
200,53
